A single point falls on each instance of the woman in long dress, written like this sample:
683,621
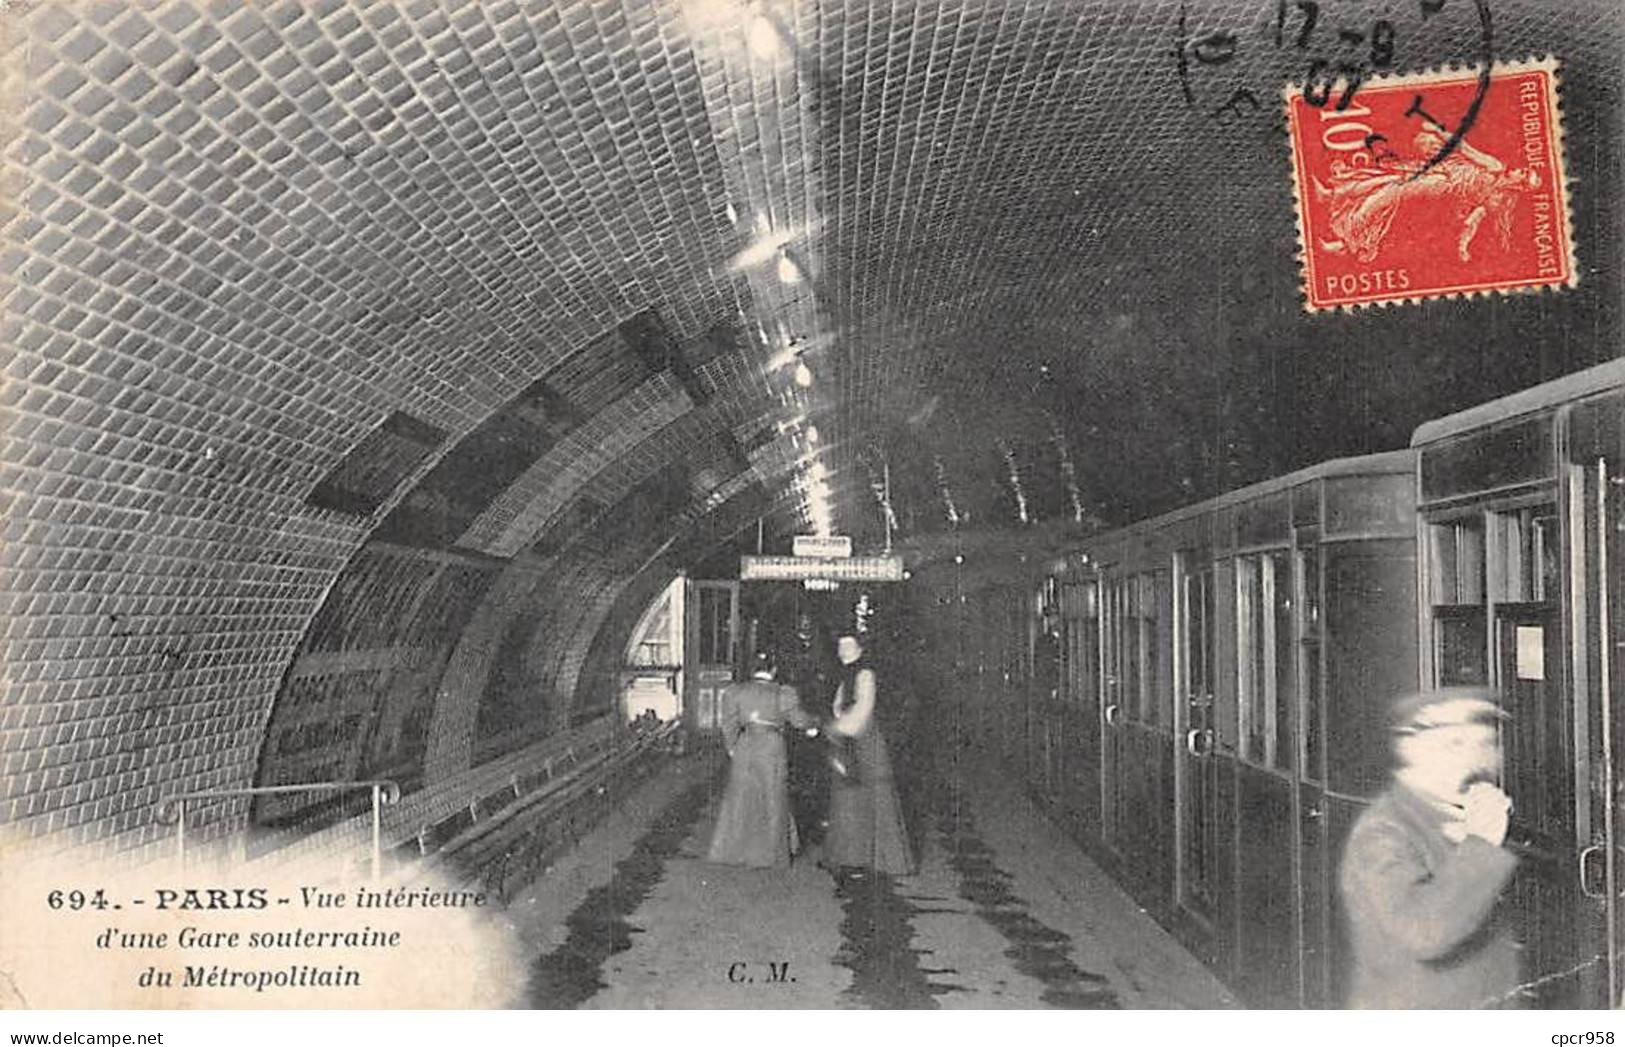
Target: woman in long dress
865,818
754,826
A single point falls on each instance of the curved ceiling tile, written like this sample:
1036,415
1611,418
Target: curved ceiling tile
587,505
737,385
599,373
683,442
523,510
773,460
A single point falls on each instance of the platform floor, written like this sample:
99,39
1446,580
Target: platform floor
1003,913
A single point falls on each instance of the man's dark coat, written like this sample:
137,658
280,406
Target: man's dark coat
1421,911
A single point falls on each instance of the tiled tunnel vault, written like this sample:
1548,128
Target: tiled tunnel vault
368,366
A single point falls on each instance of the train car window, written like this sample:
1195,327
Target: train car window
1225,705
1131,659
1249,647
1309,645
1456,548
1080,622
716,626
1283,744
1156,599
1458,646
1457,592
1265,662
1525,549
1198,609
1111,661
1512,560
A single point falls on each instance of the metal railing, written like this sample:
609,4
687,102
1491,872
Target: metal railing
172,809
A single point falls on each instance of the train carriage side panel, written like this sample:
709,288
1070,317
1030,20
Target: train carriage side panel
1520,503
1370,656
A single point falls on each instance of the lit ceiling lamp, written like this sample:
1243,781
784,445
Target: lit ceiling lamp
763,38
783,358
789,271
768,244
804,375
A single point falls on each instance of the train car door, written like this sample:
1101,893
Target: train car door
1199,849
1113,633
1539,776
1315,903
1496,575
1523,572
713,625
1081,699
1597,508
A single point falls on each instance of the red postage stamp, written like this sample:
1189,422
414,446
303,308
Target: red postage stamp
1431,186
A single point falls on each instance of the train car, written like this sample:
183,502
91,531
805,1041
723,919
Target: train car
1521,514
1206,656
1214,719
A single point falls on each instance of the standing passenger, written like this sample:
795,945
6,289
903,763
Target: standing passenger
865,819
754,826
1424,866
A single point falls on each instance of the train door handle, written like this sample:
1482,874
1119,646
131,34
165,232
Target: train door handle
1111,715
1585,881
1199,743
1598,881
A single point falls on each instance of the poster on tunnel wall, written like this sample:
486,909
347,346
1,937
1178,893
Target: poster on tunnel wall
1230,389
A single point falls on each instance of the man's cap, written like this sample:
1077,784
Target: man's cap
1445,707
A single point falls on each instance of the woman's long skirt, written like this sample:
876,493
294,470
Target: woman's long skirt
865,818
754,826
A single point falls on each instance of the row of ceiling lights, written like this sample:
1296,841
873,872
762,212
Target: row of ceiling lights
767,42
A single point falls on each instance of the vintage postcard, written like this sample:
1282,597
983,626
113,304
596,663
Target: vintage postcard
1007,506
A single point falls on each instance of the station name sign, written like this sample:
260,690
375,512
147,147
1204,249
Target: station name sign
800,568
827,545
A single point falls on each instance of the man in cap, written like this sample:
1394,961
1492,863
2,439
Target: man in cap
1424,866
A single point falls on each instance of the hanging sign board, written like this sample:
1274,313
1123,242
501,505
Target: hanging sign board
800,568
822,545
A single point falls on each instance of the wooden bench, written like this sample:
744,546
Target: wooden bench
503,837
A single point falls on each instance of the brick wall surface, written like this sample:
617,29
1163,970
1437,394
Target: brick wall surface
514,520
468,673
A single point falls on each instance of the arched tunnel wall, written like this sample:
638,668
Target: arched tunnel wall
361,695
238,366
195,355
